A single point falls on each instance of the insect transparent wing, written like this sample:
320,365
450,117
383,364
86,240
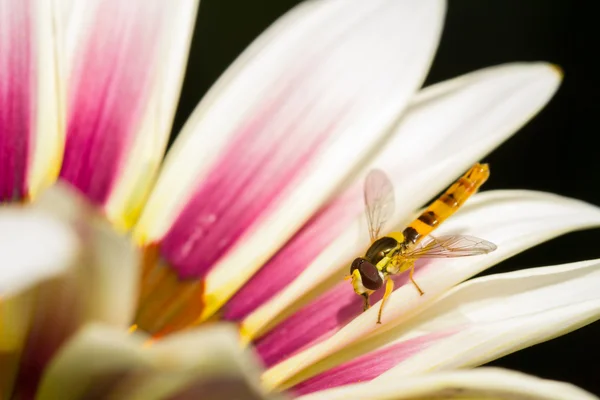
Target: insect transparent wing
450,246
379,201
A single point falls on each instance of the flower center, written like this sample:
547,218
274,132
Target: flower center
166,302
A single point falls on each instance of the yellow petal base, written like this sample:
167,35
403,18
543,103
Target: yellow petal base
167,303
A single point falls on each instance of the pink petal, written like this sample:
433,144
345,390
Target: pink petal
274,139
247,181
17,103
315,322
296,256
369,366
125,63
108,93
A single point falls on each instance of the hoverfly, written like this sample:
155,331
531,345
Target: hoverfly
397,252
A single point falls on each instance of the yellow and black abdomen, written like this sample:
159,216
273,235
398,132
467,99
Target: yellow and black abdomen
447,204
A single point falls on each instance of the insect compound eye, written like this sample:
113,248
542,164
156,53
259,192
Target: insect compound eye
380,248
368,273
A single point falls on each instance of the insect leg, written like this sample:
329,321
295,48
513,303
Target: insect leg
389,288
410,275
367,305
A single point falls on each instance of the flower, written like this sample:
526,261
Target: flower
257,209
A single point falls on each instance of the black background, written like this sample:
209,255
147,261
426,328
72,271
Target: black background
555,152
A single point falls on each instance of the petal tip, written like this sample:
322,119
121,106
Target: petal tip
557,69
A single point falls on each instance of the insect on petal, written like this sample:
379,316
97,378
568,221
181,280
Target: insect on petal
31,127
125,63
446,129
478,321
513,220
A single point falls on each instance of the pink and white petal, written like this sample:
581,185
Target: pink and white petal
513,220
447,127
100,284
124,62
298,111
31,125
368,366
478,321
103,361
480,383
503,313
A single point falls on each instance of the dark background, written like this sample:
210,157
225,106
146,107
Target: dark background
555,152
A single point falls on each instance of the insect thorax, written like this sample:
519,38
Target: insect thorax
381,248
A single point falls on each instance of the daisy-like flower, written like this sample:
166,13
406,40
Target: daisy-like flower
117,279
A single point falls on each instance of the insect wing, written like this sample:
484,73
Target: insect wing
379,201
451,246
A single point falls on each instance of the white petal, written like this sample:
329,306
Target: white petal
448,127
481,383
500,314
281,130
102,360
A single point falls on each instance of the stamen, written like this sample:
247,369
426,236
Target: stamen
166,303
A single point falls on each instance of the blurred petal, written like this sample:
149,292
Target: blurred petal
35,247
500,314
513,220
125,63
104,362
446,129
31,136
481,383
108,269
99,285
281,130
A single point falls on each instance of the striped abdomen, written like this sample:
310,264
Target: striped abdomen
447,204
